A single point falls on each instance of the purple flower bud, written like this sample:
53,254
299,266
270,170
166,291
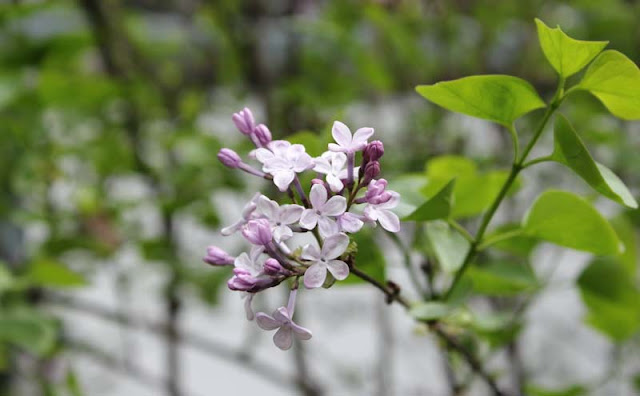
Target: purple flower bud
244,121
272,267
258,232
244,281
376,187
373,151
217,256
262,135
229,158
371,171
381,198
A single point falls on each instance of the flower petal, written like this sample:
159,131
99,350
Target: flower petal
322,165
303,163
338,268
315,275
335,183
283,178
349,222
391,203
318,196
282,233
335,206
388,220
309,219
341,134
334,246
248,298
327,227
310,252
360,138
281,315
300,332
336,148
283,338
266,322
289,214
267,207
263,155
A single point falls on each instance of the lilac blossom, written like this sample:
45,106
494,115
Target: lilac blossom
325,259
248,274
282,320
333,165
323,211
258,232
280,217
262,135
244,121
229,158
283,160
347,143
350,222
217,256
248,213
379,205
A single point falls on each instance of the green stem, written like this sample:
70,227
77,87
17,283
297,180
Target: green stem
538,160
454,224
515,170
516,142
498,238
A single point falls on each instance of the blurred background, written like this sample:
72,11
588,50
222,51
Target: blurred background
111,116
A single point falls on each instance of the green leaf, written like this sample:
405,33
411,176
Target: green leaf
50,273
497,328
570,151
6,278
409,187
567,55
473,191
627,235
611,298
28,330
517,243
498,98
574,390
438,207
502,278
568,220
430,310
448,245
73,384
615,80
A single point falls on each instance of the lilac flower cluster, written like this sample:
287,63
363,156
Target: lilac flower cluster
341,200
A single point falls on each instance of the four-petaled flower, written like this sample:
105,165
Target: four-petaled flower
287,328
325,259
333,165
283,160
280,217
379,203
346,142
322,211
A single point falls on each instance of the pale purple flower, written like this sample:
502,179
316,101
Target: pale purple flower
248,310
283,160
333,165
229,158
248,273
217,256
258,232
322,211
248,213
244,121
346,142
350,222
325,259
280,217
379,209
282,320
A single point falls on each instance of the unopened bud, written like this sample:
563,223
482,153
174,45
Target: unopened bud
258,232
229,158
371,171
272,267
373,151
217,256
244,121
262,135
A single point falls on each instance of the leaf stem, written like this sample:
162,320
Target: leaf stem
458,227
538,160
498,238
516,142
515,170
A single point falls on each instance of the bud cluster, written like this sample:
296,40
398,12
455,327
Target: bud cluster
341,199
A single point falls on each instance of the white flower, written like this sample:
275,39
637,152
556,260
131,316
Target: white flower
350,222
283,321
283,160
381,213
247,214
346,142
324,260
250,262
334,166
322,211
280,217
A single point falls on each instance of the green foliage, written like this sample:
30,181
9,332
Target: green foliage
615,80
27,329
571,151
568,220
574,390
369,257
50,273
498,98
437,207
611,298
567,55
503,278
449,247
430,310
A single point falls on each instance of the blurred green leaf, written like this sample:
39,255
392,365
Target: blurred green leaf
28,330
430,310
502,278
611,298
50,273
627,235
571,151
73,384
410,187
615,80
448,245
498,98
516,243
437,207
369,258
573,390
497,328
567,55
568,220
